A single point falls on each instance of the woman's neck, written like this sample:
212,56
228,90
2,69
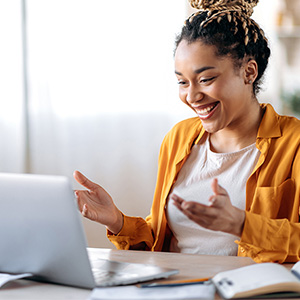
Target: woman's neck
240,135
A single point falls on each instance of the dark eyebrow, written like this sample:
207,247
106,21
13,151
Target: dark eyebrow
198,71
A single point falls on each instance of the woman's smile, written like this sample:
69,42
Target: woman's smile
206,111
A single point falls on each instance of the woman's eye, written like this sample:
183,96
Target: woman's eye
205,80
181,82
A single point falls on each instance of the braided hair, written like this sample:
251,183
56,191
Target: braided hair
226,24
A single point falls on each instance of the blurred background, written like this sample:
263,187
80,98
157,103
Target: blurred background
90,85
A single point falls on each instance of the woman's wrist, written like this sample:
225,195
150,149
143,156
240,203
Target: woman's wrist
239,224
117,226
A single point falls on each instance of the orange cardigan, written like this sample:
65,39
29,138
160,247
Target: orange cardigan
271,231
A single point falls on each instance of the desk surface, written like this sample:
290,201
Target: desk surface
190,266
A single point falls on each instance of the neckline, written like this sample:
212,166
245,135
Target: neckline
237,152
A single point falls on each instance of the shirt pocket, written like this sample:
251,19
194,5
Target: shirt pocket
275,202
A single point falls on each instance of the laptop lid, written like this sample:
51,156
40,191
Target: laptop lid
41,233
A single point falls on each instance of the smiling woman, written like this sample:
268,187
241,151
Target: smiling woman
226,182
101,97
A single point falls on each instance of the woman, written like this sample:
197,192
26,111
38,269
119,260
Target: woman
227,179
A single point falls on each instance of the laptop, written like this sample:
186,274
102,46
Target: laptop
41,233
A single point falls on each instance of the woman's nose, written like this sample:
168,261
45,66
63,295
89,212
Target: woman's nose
193,95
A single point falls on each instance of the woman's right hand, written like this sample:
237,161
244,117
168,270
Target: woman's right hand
97,205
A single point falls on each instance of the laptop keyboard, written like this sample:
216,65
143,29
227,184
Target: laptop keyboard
107,278
112,273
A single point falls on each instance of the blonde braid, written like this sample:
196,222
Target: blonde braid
233,5
233,10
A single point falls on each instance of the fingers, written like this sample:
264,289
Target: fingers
84,181
201,214
216,188
187,207
83,208
177,201
219,194
84,211
176,198
196,209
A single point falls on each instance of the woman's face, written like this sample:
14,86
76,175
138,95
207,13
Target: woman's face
212,86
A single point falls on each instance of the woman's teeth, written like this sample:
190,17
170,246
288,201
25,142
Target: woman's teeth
206,110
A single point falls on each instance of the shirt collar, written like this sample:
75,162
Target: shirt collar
269,126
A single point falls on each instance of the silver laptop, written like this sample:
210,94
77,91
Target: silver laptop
41,233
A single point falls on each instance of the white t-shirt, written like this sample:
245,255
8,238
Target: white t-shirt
194,184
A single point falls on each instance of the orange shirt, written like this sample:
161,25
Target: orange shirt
271,231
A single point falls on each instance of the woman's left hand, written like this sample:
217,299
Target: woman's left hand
220,215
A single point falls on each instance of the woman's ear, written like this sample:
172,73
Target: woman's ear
250,71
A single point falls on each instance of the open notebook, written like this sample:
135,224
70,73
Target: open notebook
41,233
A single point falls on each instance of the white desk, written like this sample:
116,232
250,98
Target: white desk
190,266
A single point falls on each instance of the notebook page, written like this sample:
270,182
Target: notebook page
5,278
252,277
296,270
187,292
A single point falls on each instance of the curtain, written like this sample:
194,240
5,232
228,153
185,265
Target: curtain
12,121
99,93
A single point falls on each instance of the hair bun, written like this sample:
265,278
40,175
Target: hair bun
244,6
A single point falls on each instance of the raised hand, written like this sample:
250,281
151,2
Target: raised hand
220,215
97,205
